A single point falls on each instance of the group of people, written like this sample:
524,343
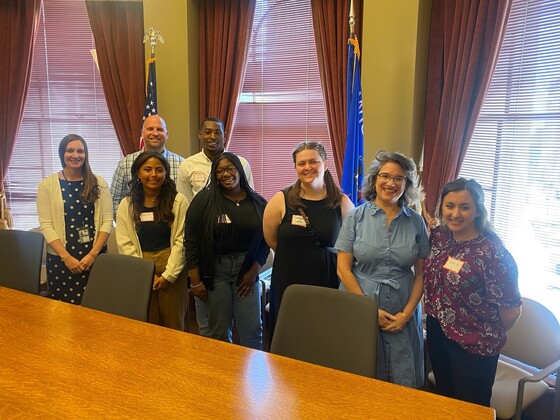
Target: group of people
202,223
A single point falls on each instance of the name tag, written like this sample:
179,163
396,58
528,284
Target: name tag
199,177
224,219
453,264
298,220
147,216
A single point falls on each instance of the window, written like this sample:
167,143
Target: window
65,96
515,149
281,103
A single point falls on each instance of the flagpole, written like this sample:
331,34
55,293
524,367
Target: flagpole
150,104
351,19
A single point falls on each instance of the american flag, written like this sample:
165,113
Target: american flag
150,105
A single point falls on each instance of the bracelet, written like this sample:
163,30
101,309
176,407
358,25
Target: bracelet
93,254
403,314
198,285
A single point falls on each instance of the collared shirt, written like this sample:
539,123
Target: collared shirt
383,252
194,173
122,176
466,297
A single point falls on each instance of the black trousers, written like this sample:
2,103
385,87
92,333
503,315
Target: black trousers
459,374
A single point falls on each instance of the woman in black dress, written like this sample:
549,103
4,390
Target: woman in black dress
74,209
301,223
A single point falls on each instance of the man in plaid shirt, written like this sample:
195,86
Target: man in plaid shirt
154,134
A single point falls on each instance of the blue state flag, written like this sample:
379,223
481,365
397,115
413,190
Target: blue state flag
353,168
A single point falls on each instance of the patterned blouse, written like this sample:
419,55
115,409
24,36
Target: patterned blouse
466,282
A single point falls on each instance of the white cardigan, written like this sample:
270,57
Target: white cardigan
50,209
129,244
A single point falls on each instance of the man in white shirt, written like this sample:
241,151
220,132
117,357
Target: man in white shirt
155,135
193,176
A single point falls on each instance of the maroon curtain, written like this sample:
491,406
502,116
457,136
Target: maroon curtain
331,26
19,20
225,32
118,30
465,39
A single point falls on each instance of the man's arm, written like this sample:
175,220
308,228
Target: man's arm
118,186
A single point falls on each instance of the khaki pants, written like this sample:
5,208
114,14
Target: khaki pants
168,307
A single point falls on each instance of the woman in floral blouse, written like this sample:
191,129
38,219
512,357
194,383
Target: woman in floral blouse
472,297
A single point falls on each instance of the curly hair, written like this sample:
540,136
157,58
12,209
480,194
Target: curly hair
91,192
164,207
412,190
293,192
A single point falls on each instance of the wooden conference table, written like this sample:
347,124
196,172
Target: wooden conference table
63,361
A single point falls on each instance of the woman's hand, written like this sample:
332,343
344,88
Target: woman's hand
73,264
245,286
385,319
199,290
160,283
397,324
87,262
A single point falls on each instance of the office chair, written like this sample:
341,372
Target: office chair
120,285
21,256
533,341
328,327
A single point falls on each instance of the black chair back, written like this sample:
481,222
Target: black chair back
328,327
21,254
120,285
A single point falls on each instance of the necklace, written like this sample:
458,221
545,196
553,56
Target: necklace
66,179
243,195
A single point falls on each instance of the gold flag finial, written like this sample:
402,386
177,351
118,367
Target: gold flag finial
154,36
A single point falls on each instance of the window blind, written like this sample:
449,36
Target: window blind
281,103
515,149
65,96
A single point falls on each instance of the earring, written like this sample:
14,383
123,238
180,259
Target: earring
138,180
165,181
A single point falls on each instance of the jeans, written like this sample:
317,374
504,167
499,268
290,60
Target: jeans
201,317
224,305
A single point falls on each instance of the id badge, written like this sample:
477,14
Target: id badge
147,216
298,220
84,235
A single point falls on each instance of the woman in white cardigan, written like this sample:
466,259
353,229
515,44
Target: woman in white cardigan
150,225
74,209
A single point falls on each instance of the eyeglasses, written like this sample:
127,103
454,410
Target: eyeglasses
396,179
232,170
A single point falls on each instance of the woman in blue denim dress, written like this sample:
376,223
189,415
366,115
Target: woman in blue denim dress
379,244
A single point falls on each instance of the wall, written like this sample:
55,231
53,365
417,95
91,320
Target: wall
394,51
177,69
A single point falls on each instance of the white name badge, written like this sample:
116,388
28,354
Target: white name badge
199,177
224,219
147,216
298,220
453,264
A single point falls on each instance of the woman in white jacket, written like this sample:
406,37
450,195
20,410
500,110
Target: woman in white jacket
74,209
150,225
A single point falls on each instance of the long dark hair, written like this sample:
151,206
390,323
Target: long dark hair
216,233
91,192
412,189
477,193
164,206
293,192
